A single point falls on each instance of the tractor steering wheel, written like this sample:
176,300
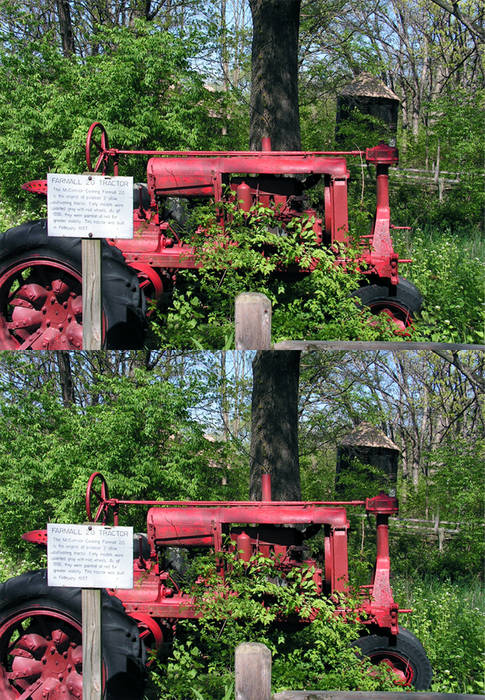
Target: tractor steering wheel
96,499
98,147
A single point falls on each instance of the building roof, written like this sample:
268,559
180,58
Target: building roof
367,85
367,435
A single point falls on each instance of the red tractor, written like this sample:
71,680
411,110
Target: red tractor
40,626
40,277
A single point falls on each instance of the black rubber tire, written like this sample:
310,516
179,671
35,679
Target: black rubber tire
403,647
404,299
123,651
123,301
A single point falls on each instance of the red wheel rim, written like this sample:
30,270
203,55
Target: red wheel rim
41,652
41,306
398,314
401,668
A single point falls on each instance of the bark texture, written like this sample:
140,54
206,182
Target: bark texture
274,74
274,424
65,377
65,27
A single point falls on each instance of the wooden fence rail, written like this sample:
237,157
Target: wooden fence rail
253,682
253,332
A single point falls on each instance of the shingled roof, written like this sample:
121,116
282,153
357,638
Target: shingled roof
367,435
367,85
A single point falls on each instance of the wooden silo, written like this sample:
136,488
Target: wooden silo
370,96
370,446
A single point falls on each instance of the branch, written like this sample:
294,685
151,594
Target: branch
454,10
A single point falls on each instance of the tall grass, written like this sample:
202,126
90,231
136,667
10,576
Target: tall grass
449,620
448,269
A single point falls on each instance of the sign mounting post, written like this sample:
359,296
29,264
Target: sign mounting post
90,207
90,557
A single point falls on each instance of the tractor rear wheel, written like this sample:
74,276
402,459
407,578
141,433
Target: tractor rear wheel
401,301
41,642
403,653
41,293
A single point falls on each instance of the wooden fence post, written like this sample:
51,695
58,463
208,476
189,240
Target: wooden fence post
253,321
253,671
91,285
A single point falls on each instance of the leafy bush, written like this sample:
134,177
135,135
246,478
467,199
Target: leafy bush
454,490
253,603
139,435
311,295
139,84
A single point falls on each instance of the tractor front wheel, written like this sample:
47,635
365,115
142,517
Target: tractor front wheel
41,293
401,302
41,643
403,654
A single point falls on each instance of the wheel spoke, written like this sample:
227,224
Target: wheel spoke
28,692
74,336
77,306
33,293
98,512
28,339
16,301
25,318
74,684
77,657
24,668
33,643
60,288
61,640
48,340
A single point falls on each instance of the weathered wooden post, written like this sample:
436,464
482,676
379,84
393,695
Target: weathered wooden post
92,644
253,321
253,671
92,305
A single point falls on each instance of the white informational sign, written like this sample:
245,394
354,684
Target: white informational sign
89,556
89,206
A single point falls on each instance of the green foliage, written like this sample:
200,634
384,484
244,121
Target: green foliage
140,86
360,131
451,280
139,434
262,252
454,490
455,135
449,621
256,602
358,478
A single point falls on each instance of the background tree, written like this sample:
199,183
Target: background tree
274,424
274,74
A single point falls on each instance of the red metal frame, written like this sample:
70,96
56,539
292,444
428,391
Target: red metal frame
156,251
156,600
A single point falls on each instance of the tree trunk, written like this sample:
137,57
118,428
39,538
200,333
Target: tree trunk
65,377
274,424
274,74
65,27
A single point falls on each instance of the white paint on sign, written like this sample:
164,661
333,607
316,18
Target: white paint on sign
89,206
89,556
